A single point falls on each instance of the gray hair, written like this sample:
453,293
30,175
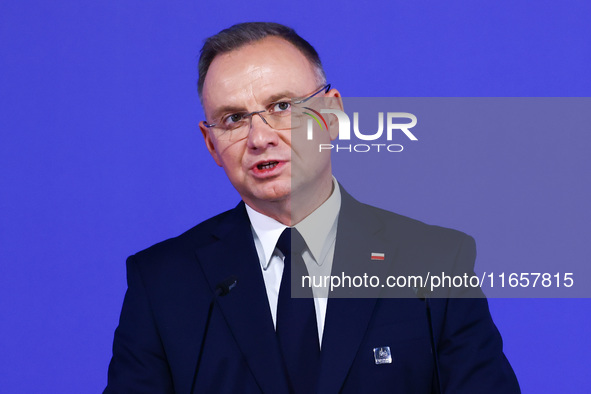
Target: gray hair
242,34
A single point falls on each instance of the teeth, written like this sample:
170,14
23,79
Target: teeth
266,166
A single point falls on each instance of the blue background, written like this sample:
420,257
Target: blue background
101,156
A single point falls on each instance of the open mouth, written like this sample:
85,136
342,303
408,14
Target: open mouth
268,165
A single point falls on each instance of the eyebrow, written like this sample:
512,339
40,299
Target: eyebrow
281,95
234,109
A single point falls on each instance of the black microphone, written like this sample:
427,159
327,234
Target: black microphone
226,286
423,293
222,289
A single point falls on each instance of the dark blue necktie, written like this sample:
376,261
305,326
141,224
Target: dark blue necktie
297,330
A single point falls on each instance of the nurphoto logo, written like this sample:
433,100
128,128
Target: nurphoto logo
396,122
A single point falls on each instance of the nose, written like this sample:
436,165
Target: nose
261,135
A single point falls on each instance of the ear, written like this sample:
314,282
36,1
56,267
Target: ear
335,101
209,143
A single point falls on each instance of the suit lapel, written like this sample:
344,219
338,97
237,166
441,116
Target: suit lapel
246,309
347,319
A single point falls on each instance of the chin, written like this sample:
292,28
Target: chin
275,192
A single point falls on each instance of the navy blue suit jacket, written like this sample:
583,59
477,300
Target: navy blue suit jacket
170,286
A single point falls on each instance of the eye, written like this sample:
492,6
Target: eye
232,119
279,107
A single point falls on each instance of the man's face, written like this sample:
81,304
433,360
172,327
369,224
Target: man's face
260,164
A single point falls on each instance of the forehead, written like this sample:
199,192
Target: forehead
251,73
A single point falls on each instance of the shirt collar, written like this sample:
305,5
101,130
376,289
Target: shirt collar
268,231
318,229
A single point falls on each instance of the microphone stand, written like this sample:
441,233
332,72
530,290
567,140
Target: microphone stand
222,289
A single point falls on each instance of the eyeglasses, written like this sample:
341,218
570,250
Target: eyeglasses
278,115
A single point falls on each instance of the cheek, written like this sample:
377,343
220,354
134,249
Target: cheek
311,148
230,157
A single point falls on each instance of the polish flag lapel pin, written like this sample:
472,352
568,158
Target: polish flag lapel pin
378,256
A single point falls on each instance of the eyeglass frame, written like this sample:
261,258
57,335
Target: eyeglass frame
325,88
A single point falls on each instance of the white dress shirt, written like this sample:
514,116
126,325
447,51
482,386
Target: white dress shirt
319,230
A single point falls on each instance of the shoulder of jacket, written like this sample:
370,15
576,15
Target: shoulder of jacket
187,242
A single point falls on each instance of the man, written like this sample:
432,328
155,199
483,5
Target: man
259,339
